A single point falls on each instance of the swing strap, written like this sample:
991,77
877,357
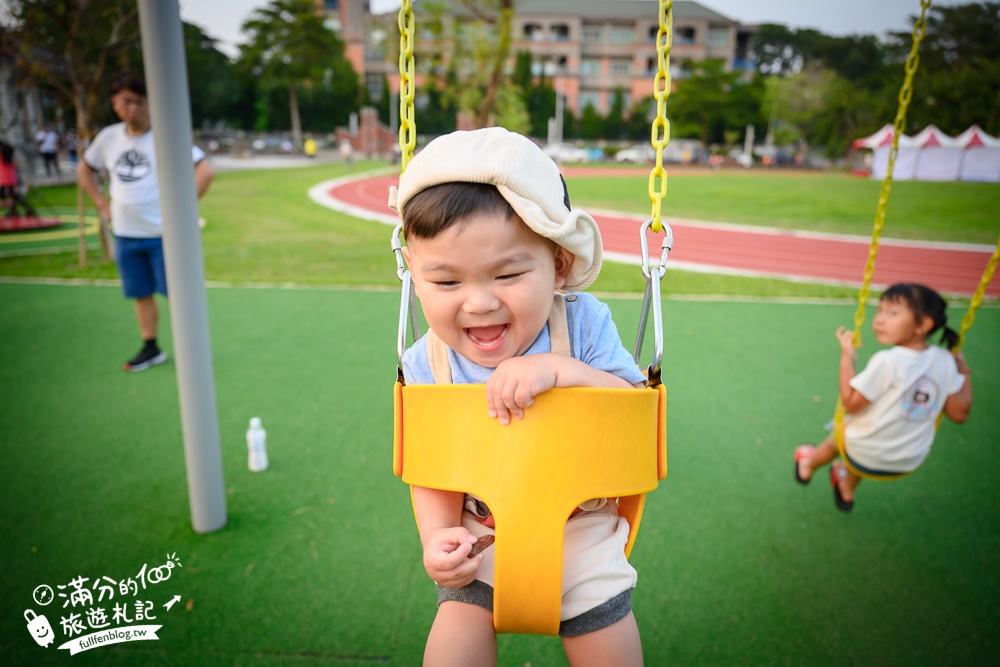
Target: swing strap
437,351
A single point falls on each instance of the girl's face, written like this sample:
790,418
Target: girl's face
896,324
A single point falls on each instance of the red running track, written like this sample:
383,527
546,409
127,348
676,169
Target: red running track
949,268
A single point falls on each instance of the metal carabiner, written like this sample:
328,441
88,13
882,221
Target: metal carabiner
407,299
652,297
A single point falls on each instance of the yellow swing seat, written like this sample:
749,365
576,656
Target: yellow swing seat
573,444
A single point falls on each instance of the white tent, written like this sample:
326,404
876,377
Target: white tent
938,156
880,143
932,155
981,157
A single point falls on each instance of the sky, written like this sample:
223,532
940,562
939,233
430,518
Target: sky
222,18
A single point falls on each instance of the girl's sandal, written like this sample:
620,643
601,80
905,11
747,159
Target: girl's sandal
803,452
837,473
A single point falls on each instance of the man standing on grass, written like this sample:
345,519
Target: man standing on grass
47,141
126,151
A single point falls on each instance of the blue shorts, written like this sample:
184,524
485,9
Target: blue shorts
140,264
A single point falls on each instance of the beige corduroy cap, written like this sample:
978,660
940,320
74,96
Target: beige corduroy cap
525,176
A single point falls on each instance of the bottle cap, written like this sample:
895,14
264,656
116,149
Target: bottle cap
254,422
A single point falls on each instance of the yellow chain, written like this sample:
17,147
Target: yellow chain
407,124
977,298
905,93
660,134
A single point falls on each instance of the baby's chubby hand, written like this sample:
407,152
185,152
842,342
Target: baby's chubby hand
446,557
515,383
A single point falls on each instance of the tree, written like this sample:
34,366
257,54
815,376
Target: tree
471,73
639,125
211,82
288,46
614,122
703,104
539,97
815,105
489,102
71,46
958,80
591,123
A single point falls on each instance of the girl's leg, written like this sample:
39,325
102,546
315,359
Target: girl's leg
825,452
618,645
462,635
847,484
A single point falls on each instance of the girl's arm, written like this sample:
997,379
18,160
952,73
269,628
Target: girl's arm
959,404
516,381
446,543
854,400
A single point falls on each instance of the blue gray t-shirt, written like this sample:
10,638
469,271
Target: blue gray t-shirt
593,339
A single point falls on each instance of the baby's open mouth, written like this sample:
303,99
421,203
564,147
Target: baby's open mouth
488,338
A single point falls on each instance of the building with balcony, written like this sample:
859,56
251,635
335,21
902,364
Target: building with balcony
590,48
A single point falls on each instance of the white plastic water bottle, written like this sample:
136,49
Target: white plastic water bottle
256,446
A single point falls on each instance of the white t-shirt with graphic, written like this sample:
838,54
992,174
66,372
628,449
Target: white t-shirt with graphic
906,389
135,190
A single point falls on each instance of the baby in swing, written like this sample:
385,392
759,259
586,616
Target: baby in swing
894,403
490,238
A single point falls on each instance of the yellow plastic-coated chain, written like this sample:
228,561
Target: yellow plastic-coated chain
660,134
905,93
407,124
977,298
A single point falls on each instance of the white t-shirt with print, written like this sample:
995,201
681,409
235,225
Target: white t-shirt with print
906,389
135,190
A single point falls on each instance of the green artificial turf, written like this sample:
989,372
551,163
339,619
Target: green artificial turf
320,564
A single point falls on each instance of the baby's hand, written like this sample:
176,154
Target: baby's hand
846,339
514,385
446,557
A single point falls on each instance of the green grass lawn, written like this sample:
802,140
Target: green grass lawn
320,562
263,228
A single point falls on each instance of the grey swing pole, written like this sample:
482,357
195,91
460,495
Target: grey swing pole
170,114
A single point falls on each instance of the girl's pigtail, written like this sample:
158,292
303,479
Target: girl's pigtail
949,337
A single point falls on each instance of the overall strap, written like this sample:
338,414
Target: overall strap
559,327
437,351
437,357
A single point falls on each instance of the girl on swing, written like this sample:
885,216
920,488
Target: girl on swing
894,402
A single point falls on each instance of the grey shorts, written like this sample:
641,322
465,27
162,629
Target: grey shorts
596,578
601,616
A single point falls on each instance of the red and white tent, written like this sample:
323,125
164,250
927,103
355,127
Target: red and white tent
981,157
880,143
932,155
938,156
881,138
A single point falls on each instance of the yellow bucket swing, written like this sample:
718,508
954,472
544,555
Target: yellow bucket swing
905,93
533,473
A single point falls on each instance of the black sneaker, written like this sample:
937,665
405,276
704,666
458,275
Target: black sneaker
148,356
